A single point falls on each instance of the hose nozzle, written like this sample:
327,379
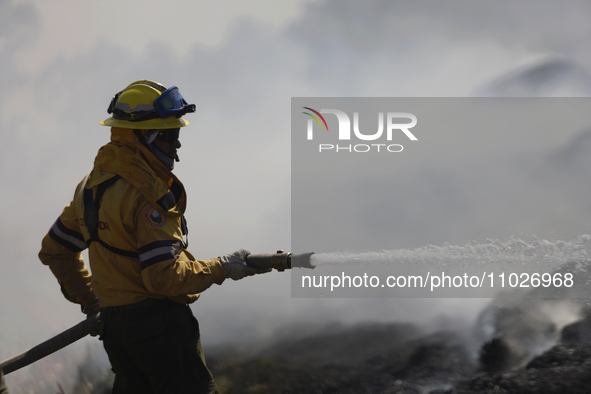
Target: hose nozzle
280,260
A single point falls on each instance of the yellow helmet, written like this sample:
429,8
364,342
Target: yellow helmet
148,105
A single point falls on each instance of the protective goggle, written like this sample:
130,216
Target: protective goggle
169,103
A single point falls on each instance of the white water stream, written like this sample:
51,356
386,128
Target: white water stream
538,254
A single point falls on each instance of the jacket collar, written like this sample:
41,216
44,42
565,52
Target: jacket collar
126,156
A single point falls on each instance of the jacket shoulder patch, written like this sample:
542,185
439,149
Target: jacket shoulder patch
154,218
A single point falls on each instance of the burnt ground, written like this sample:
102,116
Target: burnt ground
384,358
405,358
402,358
565,368
515,346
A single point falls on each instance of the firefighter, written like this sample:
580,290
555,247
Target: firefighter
129,213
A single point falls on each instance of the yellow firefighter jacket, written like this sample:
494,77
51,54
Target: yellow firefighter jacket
138,250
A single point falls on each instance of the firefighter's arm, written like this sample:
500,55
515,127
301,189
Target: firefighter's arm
60,250
166,267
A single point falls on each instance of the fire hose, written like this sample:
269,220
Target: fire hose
280,261
52,345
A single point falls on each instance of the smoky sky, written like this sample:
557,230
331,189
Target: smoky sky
235,159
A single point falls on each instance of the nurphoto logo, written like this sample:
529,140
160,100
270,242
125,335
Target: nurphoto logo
393,126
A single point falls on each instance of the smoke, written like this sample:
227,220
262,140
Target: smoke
235,159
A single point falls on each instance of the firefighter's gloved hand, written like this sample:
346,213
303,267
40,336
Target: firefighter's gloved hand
235,264
90,310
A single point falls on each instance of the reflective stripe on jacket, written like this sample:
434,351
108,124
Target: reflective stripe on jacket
139,214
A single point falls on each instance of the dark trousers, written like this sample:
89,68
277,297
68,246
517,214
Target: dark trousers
156,349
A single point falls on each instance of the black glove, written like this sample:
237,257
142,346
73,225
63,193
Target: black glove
90,310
